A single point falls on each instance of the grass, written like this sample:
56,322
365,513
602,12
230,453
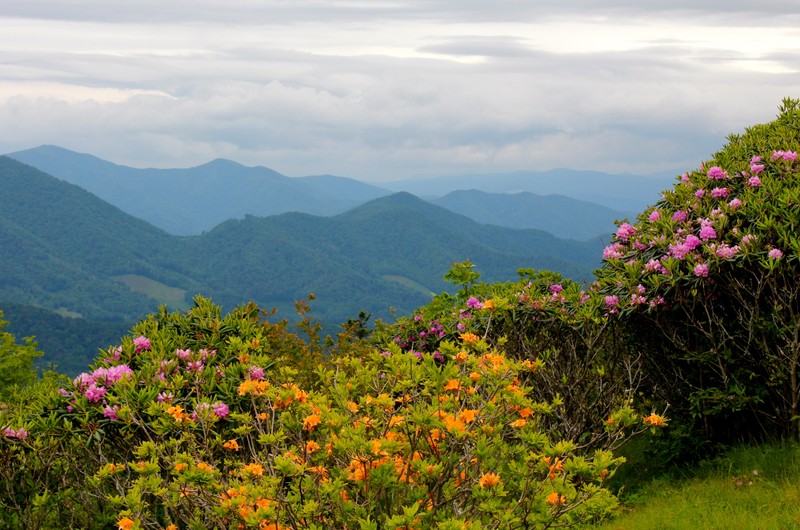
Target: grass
172,297
746,488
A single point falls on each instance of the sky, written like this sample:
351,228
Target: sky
382,90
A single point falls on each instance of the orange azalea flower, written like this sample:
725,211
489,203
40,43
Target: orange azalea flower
452,423
311,446
488,304
461,356
171,527
262,416
202,466
309,422
180,466
519,423
526,413
253,469
453,384
396,420
610,421
245,511
556,499
176,411
474,376
352,406
655,420
469,338
468,416
126,523
253,386
231,445
489,480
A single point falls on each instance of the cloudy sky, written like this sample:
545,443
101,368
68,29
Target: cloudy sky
389,89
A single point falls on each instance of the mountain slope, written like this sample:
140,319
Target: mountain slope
556,214
190,201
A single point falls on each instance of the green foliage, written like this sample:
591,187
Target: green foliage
16,360
706,283
205,420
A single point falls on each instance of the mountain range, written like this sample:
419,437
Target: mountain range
194,200
67,251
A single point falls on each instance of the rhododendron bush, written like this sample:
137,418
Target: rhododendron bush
707,279
199,421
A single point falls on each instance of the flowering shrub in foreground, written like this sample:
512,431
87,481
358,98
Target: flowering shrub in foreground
192,424
707,283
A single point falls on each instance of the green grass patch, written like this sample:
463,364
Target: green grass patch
747,488
408,282
172,297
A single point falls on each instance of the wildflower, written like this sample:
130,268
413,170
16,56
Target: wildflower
256,372
474,303
679,216
488,304
95,393
556,288
775,253
141,344
311,421
461,356
469,338
654,216
719,193
126,523
220,409
716,173
180,466
311,446
655,420
253,469
489,480
453,384
734,203
754,182
611,301
613,251
231,445
701,270
468,416
202,466
725,251
111,413
556,499
519,423
625,231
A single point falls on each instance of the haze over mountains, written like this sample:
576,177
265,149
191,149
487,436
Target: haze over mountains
67,251
191,201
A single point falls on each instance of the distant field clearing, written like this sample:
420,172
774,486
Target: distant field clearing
172,297
408,282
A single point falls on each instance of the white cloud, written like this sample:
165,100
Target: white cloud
385,89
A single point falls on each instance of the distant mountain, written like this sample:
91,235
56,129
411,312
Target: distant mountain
67,251
191,201
561,216
630,193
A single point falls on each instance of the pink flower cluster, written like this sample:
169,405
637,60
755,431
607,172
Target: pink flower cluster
19,434
789,156
141,344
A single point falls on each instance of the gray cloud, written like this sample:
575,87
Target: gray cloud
384,90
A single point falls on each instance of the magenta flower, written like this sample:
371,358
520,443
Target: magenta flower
775,253
556,288
701,270
195,366
727,252
654,216
612,301
95,393
716,173
184,354
256,372
141,344
625,231
699,193
719,193
735,203
220,409
111,413
474,303
754,182
165,397
613,251
685,177
790,156
679,216
707,231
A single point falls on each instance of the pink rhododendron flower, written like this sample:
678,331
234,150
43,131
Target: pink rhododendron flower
707,231
111,413
679,216
747,238
195,366
474,303
685,177
654,266
735,203
754,182
20,433
727,252
654,215
220,409
699,193
716,173
613,251
612,301
775,253
692,242
95,393
141,344
719,193
637,299
701,270
184,354
625,231
256,372
556,288
790,156
165,397
82,381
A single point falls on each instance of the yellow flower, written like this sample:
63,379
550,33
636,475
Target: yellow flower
126,523
489,480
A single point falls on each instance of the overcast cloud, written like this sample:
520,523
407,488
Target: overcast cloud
382,90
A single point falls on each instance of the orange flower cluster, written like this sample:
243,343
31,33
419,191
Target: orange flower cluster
489,480
231,445
253,387
176,411
469,338
556,466
555,499
654,420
